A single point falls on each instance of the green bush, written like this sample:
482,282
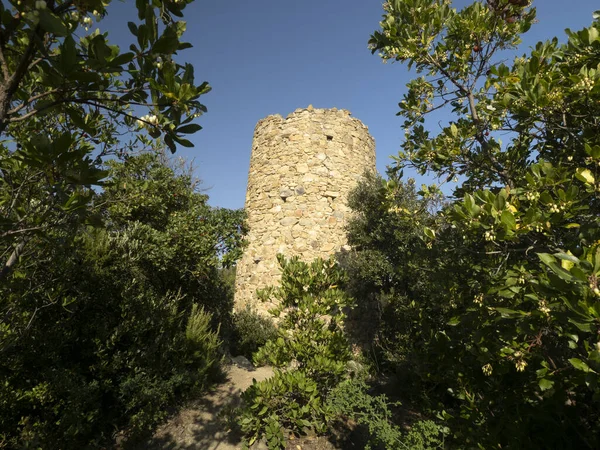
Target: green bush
499,308
311,388
251,331
351,400
106,327
311,307
288,400
310,351
389,270
203,345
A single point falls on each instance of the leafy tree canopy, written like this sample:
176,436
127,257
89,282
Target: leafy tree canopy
523,138
69,99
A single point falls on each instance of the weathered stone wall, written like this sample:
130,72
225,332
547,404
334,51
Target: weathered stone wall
301,171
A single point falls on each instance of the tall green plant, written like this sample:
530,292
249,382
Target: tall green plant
69,99
310,353
522,331
310,303
108,326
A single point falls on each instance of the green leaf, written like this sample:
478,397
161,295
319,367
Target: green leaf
470,204
545,384
52,24
546,258
133,28
305,423
453,130
167,43
510,313
567,257
183,142
68,54
454,321
121,59
188,129
593,34
586,327
508,219
594,151
170,143
596,260
429,232
546,198
580,365
561,272
585,175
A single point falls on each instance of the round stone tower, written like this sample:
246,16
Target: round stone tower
301,171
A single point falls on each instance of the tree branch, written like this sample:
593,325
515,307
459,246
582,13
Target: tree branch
12,83
3,63
22,230
31,100
12,260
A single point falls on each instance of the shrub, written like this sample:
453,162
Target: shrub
288,400
310,351
511,323
251,331
107,327
203,345
311,308
351,400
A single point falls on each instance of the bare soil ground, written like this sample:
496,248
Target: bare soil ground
203,424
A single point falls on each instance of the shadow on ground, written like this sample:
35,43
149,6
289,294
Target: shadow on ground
203,423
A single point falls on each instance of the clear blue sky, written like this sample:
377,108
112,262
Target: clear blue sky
265,57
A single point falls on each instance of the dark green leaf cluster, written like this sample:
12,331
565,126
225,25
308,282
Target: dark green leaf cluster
310,352
104,327
496,312
69,99
288,400
251,330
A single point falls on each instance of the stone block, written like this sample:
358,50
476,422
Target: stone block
288,221
285,193
302,168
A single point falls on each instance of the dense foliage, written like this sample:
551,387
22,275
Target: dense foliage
112,291
110,294
351,399
310,353
104,327
390,271
316,386
69,99
497,308
250,331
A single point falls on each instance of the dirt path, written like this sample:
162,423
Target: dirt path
202,425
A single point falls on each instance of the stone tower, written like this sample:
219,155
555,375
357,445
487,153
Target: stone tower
301,171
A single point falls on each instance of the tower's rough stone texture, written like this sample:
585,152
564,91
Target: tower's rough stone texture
302,169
